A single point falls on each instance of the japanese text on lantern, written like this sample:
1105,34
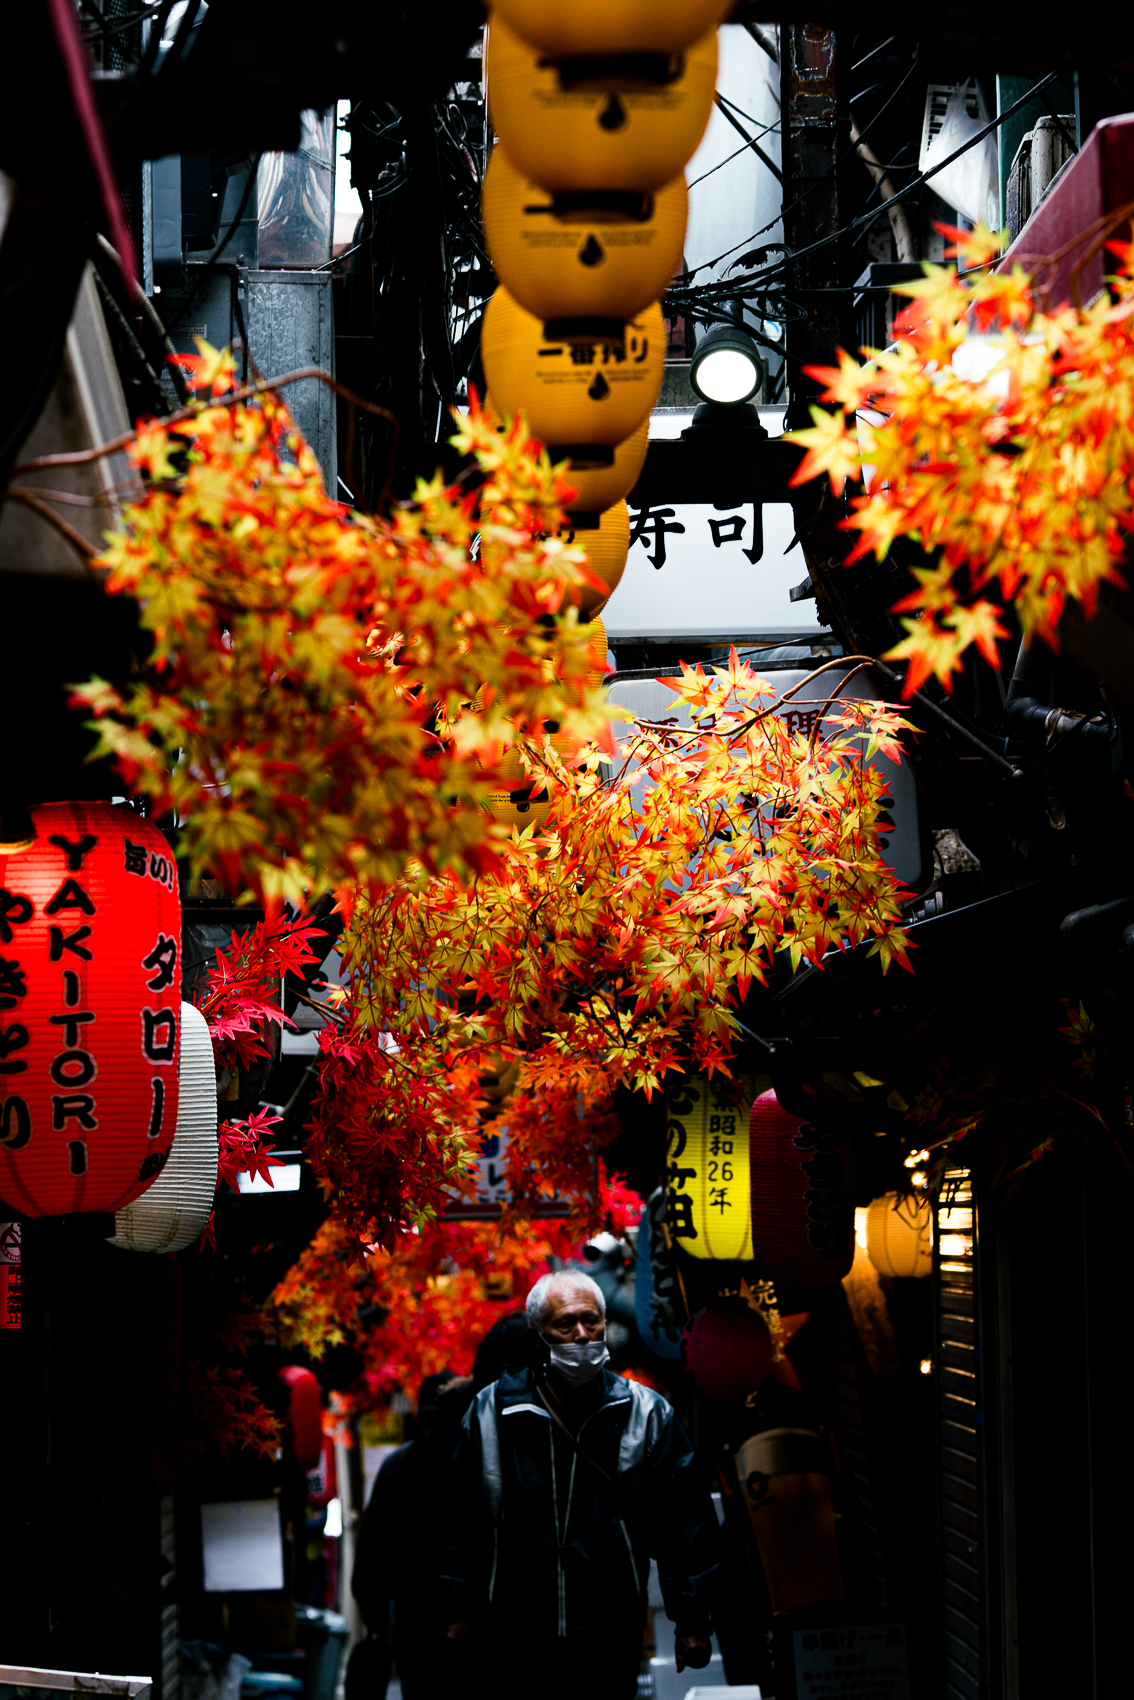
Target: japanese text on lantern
10,1234
708,1200
88,1022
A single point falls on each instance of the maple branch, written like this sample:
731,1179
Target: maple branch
747,725
815,730
31,499
82,457
323,1008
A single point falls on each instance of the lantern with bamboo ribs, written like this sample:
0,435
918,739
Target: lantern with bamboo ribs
90,1003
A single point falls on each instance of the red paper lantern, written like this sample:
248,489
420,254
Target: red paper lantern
90,1001
304,1413
728,1352
802,1197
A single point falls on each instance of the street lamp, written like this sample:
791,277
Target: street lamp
726,368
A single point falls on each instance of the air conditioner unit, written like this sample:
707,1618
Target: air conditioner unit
1040,157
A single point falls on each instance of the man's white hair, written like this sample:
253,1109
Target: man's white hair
540,1295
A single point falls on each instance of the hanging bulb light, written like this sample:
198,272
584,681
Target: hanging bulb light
593,123
603,253
726,368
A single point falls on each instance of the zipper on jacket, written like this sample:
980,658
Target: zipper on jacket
561,1580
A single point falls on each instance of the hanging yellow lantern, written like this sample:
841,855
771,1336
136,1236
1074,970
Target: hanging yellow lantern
522,799
593,124
601,487
709,1196
607,547
602,253
899,1234
611,26
581,396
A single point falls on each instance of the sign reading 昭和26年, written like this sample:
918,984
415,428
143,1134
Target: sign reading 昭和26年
708,1191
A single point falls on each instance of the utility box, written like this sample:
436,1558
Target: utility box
287,317
290,324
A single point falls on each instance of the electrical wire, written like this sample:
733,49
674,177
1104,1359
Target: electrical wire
740,286
792,205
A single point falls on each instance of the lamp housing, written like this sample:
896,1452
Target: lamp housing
727,367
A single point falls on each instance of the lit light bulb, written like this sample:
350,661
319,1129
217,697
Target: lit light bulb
860,1216
927,1366
726,375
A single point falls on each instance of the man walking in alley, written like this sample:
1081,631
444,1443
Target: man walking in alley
567,1480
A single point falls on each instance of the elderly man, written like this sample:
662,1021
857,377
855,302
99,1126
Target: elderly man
568,1479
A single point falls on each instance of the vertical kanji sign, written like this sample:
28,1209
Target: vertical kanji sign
708,1192
90,996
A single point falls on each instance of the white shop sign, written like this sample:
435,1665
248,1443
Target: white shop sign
862,1662
699,572
649,700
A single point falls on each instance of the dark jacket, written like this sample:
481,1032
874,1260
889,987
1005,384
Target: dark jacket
540,1537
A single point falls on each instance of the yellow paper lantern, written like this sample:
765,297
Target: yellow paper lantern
611,26
583,397
709,1196
600,487
606,547
521,800
590,124
899,1234
599,254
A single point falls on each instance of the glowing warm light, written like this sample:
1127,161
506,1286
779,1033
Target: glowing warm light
860,1216
927,1366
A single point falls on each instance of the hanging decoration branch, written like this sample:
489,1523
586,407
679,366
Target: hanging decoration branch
332,697
997,439
605,950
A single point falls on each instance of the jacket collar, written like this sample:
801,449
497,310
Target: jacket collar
518,1387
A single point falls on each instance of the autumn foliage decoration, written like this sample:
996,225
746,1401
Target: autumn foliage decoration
310,711
996,438
609,947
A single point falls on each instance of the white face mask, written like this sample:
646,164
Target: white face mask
580,1361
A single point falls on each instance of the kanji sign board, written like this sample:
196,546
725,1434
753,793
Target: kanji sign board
700,572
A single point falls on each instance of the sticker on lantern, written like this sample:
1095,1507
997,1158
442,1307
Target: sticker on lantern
10,1253
88,1068
708,1200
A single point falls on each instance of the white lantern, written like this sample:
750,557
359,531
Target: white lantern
172,1212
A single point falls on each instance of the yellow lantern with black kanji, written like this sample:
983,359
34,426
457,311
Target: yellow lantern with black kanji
580,397
607,546
598,488
599,253
708,1189
611,26
593,123
521,799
